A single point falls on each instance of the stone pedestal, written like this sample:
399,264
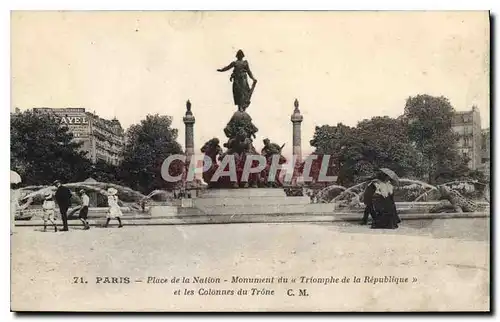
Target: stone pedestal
249,201
162,211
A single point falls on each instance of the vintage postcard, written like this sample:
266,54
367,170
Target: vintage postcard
177,161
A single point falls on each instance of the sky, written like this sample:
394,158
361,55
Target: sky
343,67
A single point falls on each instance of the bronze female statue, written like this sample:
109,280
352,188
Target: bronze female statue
241,90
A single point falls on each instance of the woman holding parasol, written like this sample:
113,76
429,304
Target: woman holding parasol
379,200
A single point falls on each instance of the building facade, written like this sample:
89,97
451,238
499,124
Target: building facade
467,125
102,139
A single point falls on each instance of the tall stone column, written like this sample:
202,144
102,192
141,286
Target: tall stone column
296,121
189,134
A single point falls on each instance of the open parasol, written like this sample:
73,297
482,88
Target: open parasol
391,174
14,177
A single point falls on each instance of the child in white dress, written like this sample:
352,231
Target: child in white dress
114,207
49,212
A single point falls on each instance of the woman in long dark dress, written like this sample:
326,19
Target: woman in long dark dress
381,203
241,89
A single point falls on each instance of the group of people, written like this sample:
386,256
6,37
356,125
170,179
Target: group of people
62,197
379,201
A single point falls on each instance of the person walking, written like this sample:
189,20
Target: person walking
114,207
84,210
368,201
49,212
63,199
382,201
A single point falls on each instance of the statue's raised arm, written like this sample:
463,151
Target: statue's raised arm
228,67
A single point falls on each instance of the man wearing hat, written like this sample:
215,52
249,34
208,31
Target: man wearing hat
84,210
63,199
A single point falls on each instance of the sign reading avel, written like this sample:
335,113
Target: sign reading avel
74,120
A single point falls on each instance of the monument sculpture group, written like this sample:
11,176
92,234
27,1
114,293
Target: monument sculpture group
241,132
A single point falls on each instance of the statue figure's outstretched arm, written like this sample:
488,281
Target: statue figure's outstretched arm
228,67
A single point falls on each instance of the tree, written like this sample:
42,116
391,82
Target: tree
43,151
149,143
341,144
429,124
104,172
372,144
386,144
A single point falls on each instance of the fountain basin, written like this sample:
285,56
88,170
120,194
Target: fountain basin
416,207
244,202
194,218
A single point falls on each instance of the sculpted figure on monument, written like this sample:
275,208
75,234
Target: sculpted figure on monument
240,132
212,149
269,150
241,90
239,144
238,147
240,120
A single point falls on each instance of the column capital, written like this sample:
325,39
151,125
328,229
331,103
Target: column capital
296,116
189,117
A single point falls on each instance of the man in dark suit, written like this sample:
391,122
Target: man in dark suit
63,199
367,200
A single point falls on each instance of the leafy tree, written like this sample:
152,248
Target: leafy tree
359,151
429,124
458,170
386,144
341,144
104,172
149,143
476,175
42,150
